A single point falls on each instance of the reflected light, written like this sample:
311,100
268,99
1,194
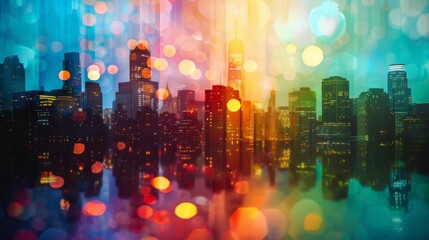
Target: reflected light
79,148
160,183
94,208
313,222
248,223
57,182
97,167
185,210
144,212
242,187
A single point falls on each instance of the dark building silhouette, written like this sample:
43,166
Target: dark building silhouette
399,95
375,122
185,98
336,170
167,137
12,80
71,63
336,109
140,91
167,102
93,99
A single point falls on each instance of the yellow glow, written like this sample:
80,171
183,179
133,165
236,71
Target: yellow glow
169,50
312,56
162,94
93,75
160,64
160,183
64,75
210,74
185,210
313,222
197,74
186,67
233,105
291,49
250,66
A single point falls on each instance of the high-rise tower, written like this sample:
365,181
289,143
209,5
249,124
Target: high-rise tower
336,109
235,66
12,80
399,95
71,63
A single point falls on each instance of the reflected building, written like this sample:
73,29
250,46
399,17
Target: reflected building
167,137
416,137
12,80
302,168
336,173
399,184
336,109
399,95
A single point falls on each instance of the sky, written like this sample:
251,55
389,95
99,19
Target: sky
288,43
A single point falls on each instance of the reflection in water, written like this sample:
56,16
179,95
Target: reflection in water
362,188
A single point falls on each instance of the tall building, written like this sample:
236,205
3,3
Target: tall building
184,99
336,108
167,101
93,99
140,68
375,122
71,63
271,118
302,109
399,95
235,66
223,134
12,80
140,91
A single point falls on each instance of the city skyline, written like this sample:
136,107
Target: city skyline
358,49
214,119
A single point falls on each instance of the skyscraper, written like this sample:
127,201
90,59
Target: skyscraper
223,133
140,68
184,98
336,109
302,109
399,95
374,119
71,63
12,80
235,66
93,98
140,91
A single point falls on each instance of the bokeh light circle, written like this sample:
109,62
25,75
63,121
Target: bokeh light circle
186,67
312,56
93,75
233,105
185,210
64,75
